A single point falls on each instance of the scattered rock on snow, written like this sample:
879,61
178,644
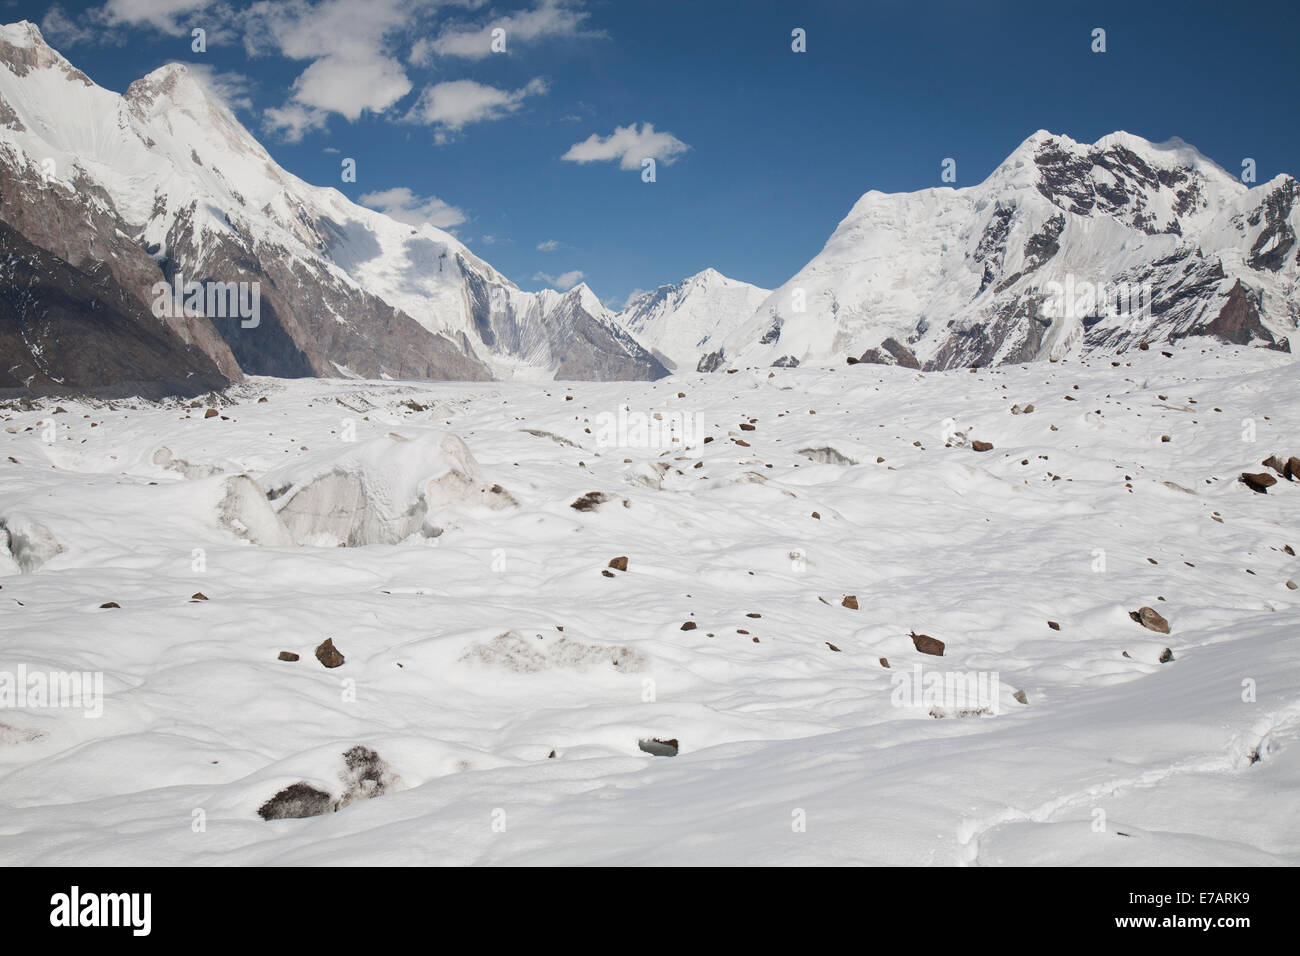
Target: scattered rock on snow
619,563
1166,656
1149,618
1258,482
978,445
295,802
365,776
659,748
927,644
590,500
850,601
826,455
328,654
287,656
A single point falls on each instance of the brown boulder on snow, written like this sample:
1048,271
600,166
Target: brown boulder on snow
328,654
1149,618
927,644
1258,482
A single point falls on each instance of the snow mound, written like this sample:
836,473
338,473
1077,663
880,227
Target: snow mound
379,492
29,542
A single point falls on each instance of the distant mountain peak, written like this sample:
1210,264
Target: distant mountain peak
965,276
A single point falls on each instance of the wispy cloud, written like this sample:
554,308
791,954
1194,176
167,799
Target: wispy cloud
292,121
564,281
405,206
548,19
550,245
628,145
108,22
455,104
233,89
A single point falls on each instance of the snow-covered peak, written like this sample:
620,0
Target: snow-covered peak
23,34
683,322
23,49
172,85
957,275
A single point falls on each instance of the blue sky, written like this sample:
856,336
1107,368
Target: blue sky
761,150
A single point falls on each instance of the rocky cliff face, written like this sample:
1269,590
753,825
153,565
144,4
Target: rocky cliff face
64,329
1067,248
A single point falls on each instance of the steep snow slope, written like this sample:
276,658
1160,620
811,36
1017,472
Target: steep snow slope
682,323
797,745
951,277
347,289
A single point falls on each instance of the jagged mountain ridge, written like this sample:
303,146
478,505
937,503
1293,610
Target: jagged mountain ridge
167,169
944,277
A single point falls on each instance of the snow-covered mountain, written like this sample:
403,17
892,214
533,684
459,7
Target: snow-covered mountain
1020,266
682,323
164,180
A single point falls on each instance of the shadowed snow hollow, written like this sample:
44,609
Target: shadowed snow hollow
379,492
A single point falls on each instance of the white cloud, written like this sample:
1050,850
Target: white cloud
550,245
564,281
457,103
292,122
405,206
549,18
629,146
351,49
350,87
